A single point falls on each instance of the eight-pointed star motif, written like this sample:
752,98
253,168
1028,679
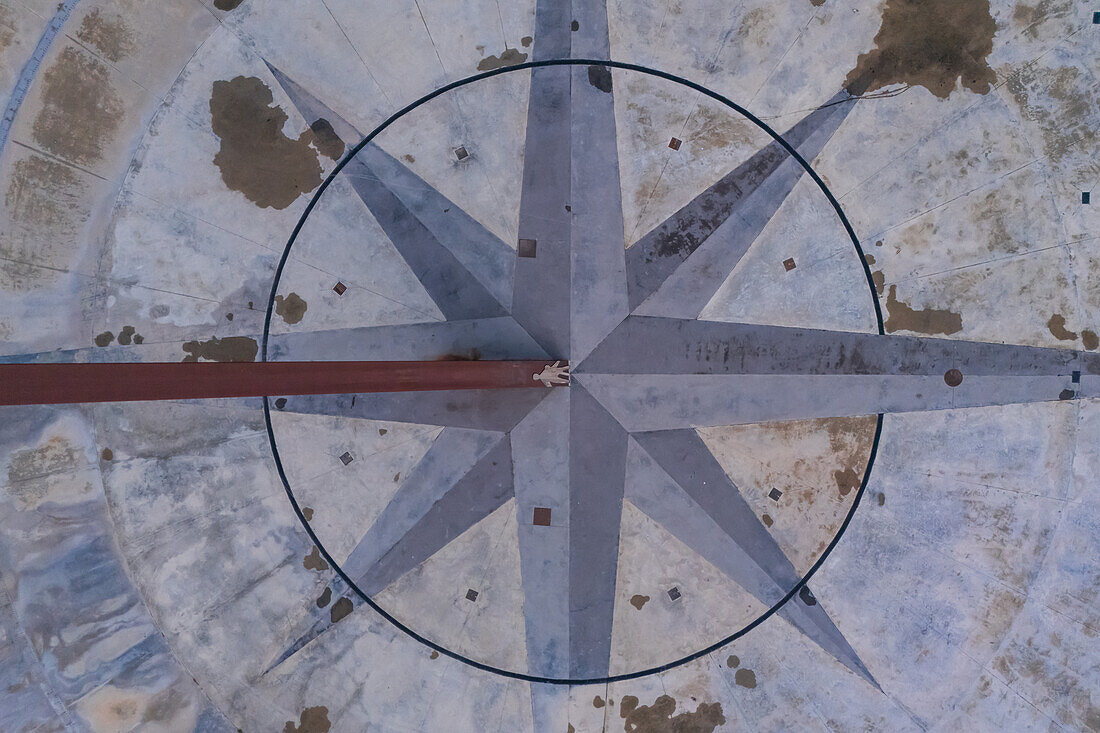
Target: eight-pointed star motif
645,372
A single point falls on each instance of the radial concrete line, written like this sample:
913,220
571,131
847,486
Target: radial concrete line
597,469
598,244
483,409
541,297
453,460
681,263
479,338
674,479
540,464
392,191
646,345
669,401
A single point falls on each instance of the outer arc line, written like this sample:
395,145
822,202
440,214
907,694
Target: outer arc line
270,312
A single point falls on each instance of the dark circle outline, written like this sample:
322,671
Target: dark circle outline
267,329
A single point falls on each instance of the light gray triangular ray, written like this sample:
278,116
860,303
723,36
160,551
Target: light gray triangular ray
459,261
476,495
647,402
479,338
677,267
597,241
597,470
647,345
540,461
540,300
684,489
479,409
456,483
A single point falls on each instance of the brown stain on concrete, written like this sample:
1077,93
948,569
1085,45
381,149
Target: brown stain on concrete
433,655
638,601
880,281
104,339
526,41
733,661
324,599
29,469
1089,339
509,57
312,720
256,158
80,109
109,34
231,348
600,78
325,139
1057,326
307,512
935,44
227,4
846,479
767,520
598,702
45,215
128,335
1060,102
314,561
107,454
881,499
659,718
745,678
340,610
7,27
292,308
929,321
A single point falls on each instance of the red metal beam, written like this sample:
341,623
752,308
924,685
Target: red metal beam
47,384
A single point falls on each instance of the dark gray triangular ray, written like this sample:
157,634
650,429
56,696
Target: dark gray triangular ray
466,269
416,520
479,493
677,267
684,489
479,409
479,338
597,471
540,460
647,345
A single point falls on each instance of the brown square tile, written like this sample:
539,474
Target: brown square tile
346,458
461,153
789,264
340,288
542,516
527,247
471,594
675,143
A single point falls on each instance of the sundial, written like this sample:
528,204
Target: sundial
623,429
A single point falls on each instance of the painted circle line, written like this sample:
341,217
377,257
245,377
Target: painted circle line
271,309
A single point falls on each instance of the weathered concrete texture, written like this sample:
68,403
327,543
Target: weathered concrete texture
151,568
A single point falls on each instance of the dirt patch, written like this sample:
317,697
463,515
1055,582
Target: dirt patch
227,4
600,77
1089,339
232,348
340,610
45,217
1057,326
926,320
256,158
510,57
292,308
312,720
638,601
930,43
767,520
56,455
1060,102
733,661
128,335
314,561
659,718
107,454
846,480
80,109
324,599
598,702
104,339
109,34
745,678
326,140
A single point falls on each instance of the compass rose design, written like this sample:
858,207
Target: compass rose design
645,372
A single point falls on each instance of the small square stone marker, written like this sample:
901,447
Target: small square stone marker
340,288
674,593
774,494
346,458
675,143
460,152
788,264
471,594
542,517
527,247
